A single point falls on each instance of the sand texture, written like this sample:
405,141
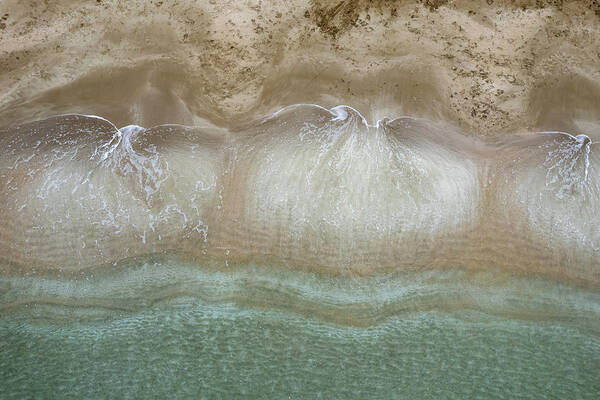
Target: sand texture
488,67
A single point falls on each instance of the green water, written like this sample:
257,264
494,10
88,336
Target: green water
166,330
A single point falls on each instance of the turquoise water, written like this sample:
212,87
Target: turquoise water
168,330
192,349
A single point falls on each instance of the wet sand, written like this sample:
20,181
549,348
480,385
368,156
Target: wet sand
482,78
300,199
489,68
306,188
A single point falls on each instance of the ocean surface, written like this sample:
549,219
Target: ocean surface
296,200
308,253
166,328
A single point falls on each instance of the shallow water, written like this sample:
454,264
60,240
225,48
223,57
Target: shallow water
172,329
188,210
212,351
307,188
310,253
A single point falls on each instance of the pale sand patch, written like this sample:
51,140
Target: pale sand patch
489,67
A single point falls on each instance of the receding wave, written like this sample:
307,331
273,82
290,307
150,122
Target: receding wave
187,211
305,188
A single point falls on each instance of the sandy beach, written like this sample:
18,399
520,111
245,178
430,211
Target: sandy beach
487,67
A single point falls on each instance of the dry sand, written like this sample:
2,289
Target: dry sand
488,67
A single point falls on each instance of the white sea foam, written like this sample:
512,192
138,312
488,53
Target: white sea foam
306,186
